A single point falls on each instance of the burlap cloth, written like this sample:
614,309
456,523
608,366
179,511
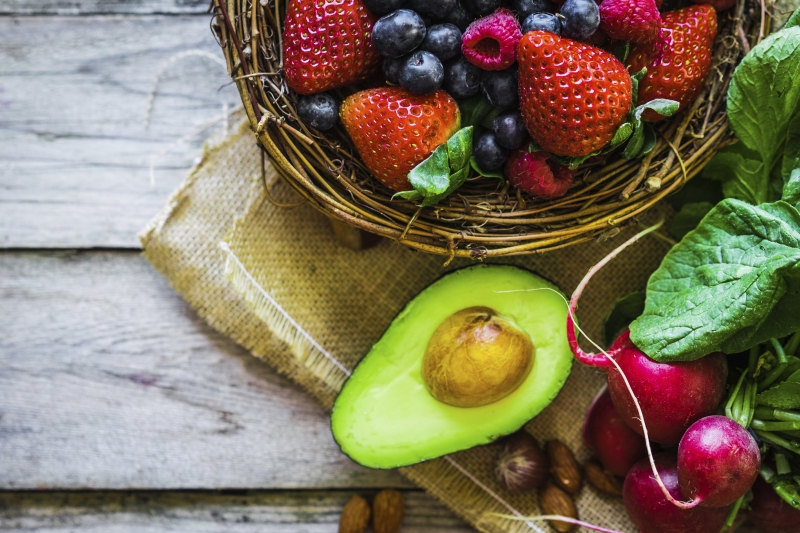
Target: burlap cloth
280,286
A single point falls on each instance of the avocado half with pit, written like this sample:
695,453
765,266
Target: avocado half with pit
491,336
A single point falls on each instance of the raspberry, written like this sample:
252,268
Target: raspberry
491,42
635,21
534,174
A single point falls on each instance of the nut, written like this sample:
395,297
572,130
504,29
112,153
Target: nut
555,501
355,516
602,479
387,512
564,467
522,465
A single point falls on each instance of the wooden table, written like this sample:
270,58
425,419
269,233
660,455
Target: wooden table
120,410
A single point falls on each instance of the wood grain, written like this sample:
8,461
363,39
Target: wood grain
74,152
109,381
200,512
95,7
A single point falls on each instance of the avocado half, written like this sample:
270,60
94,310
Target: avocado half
385,417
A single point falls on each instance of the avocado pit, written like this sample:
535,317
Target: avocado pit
476,357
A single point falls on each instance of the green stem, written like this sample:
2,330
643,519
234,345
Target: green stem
734,395
788,492
753,361
734,511
791,433
793,344
772,438
779,351
774,425
767,474
782,464
768,413
746,416
772,376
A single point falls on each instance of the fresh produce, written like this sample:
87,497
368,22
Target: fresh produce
521,465
563,466
326,44
581,19
653,513
386,416
583,119
509,130
488,153
443,41
437,9
526,8
491,42
421,73
482,7
602,479
537,174
398,33
718,461
678,61
387,511
548,22
606,434
634,21
500,88
769,513
462,79
382,122
554,501
459,17
719,5
319,111
355,515
382,7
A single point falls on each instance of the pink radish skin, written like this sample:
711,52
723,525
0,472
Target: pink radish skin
615,444
718,461
653,513
769,513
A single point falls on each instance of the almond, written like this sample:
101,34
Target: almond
387,512
555,501
355,516
602,479
564,467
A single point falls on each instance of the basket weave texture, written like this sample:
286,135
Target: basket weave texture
484,218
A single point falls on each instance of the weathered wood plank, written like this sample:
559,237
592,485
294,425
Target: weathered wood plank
74,152
198,512
103,7
109,381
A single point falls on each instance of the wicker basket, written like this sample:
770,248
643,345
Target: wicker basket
483,218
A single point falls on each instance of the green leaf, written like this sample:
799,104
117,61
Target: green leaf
643,139
650,139
794,377
741,172
459,149
794,20
700,190
622,134
412,195
791,191
688,218
622,314
785,395
621,52
444,171
474,110
662,106
791,150
486,173
792,366
432,176
636,142
636,77
488,119
730,284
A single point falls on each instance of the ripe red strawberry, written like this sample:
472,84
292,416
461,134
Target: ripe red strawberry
394,130
537,174
573,96
327,44
719,5
678,63
635,21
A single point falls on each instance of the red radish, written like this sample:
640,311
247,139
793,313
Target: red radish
615,444
718,461
653,513
769,513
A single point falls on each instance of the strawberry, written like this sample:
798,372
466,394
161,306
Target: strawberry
327,44
394,130
573,96
719,5
635,21
679,61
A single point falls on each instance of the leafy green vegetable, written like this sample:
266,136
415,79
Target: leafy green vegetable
622,314
791,191
785,395
688,218
730,284
740,171
697,191
444,171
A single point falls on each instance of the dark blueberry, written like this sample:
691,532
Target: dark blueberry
319,111
462,79
391,68
422,73
482,7
526,8
488,153
542,21
459,17
509,130
501,88
443,41
433,8
581,18
382,7
398,33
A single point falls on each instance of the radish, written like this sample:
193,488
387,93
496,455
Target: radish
769,513
718,461
653,513
615,444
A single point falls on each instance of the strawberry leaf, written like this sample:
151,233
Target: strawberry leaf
444,171
636,77
475,110
621,52
485,173
623,133
643,139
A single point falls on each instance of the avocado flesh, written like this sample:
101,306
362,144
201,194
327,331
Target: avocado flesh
385,417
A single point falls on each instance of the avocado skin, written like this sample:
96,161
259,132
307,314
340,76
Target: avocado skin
384,417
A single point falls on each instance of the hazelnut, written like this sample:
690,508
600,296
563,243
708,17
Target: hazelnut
522,465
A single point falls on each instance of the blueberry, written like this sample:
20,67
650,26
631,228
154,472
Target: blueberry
581,18
398,33
459,17
422,73
542,21
443,41
501,88
526,8
433,8
462,79
319,111
509,130
382,7
482,7
488,153
391,68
